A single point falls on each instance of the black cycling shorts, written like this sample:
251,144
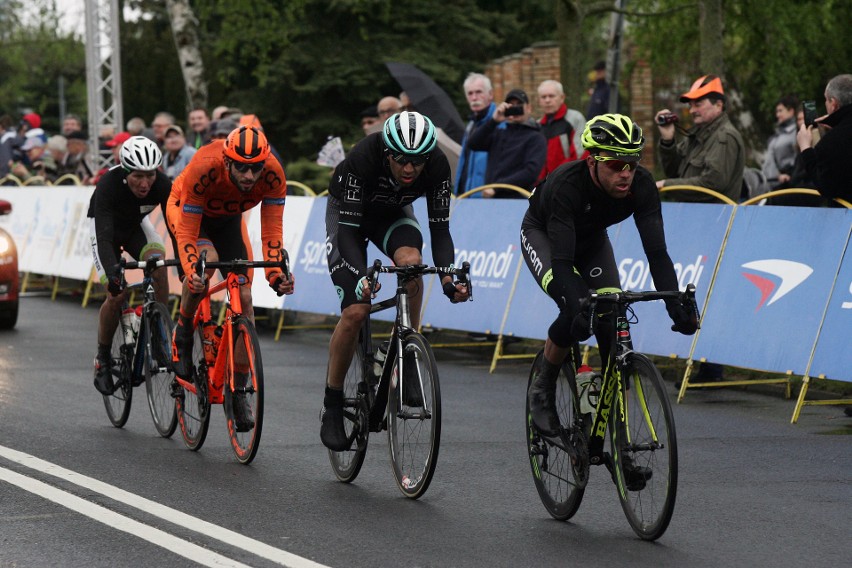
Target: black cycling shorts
228,235
389,230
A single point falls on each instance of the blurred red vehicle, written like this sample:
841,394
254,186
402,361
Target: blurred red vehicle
8,275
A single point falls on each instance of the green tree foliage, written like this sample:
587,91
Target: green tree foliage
36,53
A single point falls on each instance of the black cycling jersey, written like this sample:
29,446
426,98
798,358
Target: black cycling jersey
366,190
574,214
117,212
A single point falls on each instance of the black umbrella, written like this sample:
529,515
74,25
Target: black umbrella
428,98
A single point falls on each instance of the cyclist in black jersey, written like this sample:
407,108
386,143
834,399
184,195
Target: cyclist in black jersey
566,247
118,210
371,193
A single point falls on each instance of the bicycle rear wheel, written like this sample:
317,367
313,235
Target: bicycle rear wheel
245,443
347,464
118,403
644,449
193,409
158,369
560,471
414,417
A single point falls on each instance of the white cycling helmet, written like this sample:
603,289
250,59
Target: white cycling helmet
140,153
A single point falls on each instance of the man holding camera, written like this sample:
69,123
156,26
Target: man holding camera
711,154
828,162
515,145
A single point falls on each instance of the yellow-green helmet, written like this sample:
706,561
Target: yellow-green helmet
614,133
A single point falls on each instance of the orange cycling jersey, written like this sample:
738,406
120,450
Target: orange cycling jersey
204,188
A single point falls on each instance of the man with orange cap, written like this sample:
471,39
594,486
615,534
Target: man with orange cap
711,154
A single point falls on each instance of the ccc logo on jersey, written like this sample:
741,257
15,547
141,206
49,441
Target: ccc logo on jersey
230,205
206,181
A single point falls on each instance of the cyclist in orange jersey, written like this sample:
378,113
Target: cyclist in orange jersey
224,179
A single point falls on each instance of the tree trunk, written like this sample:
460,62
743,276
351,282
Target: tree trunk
710,22
572,48
184,30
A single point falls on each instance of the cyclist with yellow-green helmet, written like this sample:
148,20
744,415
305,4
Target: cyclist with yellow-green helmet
566,247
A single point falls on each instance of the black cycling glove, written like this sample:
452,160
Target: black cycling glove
114,284
277,280
581,327
450,291
684,318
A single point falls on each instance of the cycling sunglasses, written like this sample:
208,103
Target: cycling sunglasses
242,167
415,161
615,164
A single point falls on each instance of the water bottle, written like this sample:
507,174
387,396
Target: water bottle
589,387
130,325
211,335
379,358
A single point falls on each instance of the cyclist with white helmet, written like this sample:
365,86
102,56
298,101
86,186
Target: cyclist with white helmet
566,247
118,213
370,197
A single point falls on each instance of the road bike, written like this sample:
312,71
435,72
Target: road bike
141,352
404,398
226,363
629,402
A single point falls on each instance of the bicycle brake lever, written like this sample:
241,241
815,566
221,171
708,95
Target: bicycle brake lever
285,264
466,280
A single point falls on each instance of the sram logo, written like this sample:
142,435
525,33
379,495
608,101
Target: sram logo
784,276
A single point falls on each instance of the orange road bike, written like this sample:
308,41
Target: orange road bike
141,352
226,363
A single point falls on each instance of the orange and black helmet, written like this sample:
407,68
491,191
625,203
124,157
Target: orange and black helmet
246,144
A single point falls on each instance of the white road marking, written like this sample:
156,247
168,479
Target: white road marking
195,524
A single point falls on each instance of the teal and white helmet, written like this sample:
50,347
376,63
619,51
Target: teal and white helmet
409,134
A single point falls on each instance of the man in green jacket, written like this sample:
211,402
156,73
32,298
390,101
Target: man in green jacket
711,154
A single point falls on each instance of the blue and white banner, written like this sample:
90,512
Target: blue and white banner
694,237
772,287
832,358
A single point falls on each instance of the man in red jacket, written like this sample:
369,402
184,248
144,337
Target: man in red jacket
562,127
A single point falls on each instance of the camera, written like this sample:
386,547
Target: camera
667,118
514,110
810,110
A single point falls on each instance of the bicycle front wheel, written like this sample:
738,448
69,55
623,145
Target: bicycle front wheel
244,388
414,417
118,403
644,448
347,464
158,369
560,470
193,408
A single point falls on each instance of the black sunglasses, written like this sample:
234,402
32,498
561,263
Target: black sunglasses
403,159
243,167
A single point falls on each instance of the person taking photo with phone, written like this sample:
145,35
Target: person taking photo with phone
515,145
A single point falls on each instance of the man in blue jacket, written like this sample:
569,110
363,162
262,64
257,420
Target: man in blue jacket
470,171
516,147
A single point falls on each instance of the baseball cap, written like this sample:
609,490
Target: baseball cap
173,128
702,87
34,142
223,127
518,95
119,138
32,119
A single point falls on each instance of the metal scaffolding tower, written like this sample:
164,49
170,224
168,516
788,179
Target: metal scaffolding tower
103,75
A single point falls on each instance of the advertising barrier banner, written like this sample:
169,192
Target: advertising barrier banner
772,287
485,234
832,358
695,233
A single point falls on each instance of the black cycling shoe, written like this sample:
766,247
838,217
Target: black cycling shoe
243,420
412,394
103,376
332,433
635,476
542,400
182,353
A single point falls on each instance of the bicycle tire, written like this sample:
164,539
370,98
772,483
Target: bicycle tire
193,409
159,375
119,402
245,444
646,437
347,464
414,432
559,483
